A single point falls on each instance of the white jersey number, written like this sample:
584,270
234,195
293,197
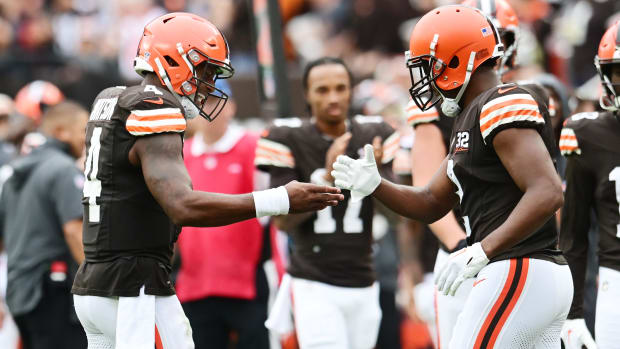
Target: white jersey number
352,223
614,176
459,192
92,186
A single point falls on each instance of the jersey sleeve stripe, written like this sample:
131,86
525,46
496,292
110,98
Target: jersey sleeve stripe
390,147
492,110
273,153
497,114
263,158
152,112
507,98
415,116
135,117
145,130
507,118
568,142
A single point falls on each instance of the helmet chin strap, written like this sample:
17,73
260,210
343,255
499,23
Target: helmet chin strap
450,106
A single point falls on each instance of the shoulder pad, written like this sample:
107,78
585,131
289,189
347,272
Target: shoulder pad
146,98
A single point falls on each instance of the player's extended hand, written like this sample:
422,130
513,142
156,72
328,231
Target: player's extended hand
575,334
304,197
360,176
338,147
462,264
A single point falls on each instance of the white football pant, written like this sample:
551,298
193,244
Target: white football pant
516,303
129,322
607,324
332,317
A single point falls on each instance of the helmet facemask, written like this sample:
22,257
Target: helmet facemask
201,86
509,39
610,99
423,90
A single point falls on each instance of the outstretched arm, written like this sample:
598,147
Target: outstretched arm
426,204
165,174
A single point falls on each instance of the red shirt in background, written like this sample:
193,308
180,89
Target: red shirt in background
220,261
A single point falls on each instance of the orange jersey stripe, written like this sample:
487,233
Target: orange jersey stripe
269,149
156,129
175,116
533,113
500,105
570,137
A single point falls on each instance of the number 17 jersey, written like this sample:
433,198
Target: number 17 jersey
333,245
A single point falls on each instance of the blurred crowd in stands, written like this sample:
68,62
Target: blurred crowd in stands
82,46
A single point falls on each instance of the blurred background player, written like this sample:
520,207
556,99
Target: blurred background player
138,194
591,142
221,284
335,295
499,129
43,253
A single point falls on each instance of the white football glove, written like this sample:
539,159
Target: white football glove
462,264
575,334
360,176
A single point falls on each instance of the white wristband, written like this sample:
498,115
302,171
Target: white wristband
271,202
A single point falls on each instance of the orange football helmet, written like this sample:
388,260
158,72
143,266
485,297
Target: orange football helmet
505,19
188,54
608,55
446,46
32,99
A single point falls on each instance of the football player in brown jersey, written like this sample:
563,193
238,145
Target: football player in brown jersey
138,193
499,169
336,297
591,143
432,142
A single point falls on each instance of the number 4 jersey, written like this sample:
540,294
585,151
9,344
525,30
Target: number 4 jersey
333,245
127,237
487,192
591,144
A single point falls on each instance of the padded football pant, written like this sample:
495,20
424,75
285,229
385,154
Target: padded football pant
129,322
517,304
607,324
332,317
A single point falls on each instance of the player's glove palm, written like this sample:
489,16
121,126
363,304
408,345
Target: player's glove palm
575,334
360,176
461,265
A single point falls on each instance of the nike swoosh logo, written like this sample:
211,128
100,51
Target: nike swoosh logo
159,100
478,281
504,90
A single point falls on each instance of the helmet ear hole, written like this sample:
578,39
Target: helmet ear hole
454,62
171,62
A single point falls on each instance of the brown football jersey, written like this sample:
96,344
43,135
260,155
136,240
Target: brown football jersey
333,245
487,192
591,144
